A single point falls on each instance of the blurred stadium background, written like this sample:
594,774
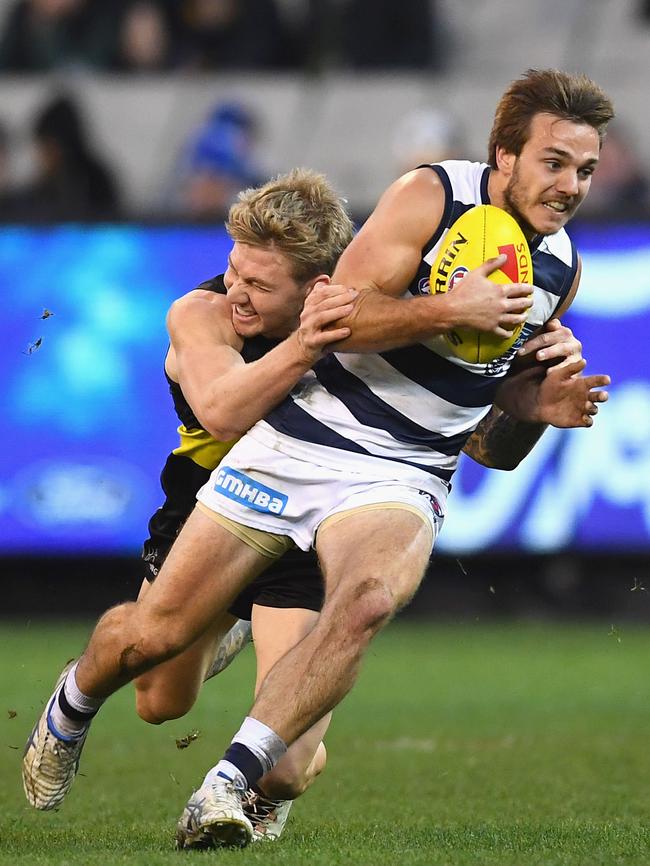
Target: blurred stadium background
123,137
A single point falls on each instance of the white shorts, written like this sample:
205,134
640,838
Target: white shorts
292,497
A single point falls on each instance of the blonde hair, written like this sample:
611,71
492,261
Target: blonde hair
569,97
301,215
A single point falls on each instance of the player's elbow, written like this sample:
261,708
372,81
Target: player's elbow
219,428
218,421
174,318
506,463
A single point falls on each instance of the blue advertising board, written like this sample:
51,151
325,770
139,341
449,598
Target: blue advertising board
88,419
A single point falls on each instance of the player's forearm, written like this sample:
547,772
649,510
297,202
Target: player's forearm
380,322
236,401
502,442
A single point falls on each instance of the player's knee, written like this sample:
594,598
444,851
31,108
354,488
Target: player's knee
372,604
155,706
150,646
145,639
146,707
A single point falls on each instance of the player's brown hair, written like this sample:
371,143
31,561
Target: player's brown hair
550,91
301,215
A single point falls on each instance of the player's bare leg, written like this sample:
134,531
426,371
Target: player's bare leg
373,561
170,690
132,638
197,583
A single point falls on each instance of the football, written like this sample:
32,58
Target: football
481,233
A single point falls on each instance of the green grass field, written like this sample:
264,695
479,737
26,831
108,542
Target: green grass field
460,745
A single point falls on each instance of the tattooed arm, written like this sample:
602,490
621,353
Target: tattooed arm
502,442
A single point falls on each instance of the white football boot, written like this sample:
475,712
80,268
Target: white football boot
214,818
232,643
50,760
267,816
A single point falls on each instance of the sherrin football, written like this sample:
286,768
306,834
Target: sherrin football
481,233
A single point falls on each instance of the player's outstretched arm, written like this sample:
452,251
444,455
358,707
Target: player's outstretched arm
227,395
561,396
383,259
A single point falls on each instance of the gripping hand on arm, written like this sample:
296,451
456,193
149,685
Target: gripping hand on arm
227,395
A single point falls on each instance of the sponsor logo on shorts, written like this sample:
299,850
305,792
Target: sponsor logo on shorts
424,286
436,507
239,487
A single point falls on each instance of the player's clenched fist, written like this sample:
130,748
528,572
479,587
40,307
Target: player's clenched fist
324,306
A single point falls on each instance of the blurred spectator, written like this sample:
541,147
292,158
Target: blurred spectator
216,164
425,135
391,34
145,43
72,182
620,187
41,35
233,34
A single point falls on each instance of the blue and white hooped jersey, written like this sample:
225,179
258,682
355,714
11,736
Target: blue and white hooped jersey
408,412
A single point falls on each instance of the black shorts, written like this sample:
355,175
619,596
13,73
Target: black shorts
294,580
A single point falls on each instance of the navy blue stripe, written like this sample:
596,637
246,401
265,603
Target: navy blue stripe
371,411
246,762
443,378
290,419
457,210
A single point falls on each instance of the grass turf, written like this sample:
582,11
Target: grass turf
460,745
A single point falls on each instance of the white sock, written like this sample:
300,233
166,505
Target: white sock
83,707
263,742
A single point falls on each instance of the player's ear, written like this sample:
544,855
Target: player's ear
505,160
323,279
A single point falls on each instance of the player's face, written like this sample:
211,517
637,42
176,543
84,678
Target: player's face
264,296
552,174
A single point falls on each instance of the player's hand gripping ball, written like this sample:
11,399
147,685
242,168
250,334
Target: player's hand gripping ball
481,233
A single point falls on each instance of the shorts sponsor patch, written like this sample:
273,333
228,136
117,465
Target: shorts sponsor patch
245,490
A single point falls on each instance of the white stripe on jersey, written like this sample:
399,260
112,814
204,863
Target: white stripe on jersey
312,398
410,399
